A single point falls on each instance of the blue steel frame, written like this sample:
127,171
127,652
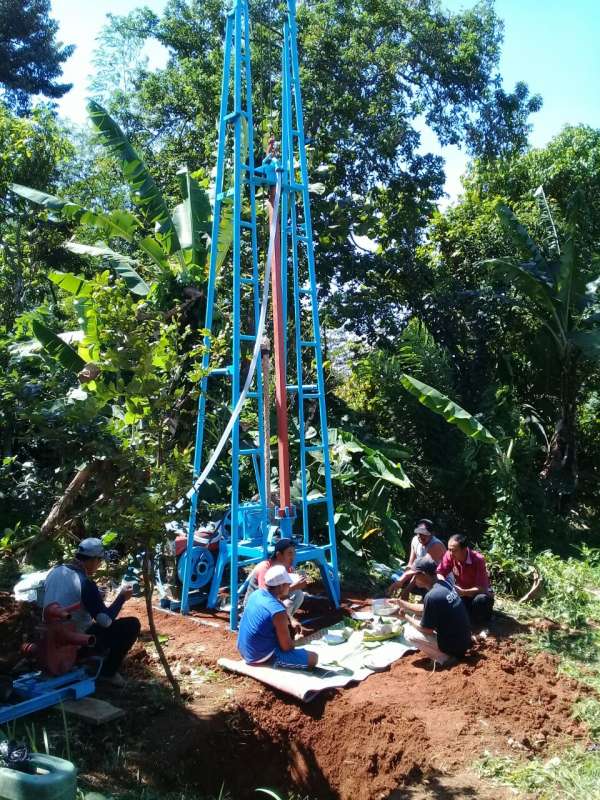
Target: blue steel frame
39,692
297,247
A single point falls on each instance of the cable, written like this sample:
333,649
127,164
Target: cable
255,354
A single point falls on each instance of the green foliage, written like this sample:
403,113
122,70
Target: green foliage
574,773
566,594
30,56
508,559
366,480
57,347
448,409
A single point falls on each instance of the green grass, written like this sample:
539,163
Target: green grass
574,773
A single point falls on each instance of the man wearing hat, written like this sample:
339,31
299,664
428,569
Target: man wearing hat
264,634
442,630
424,543
283,552
68,584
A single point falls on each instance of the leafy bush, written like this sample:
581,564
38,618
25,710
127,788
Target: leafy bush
565,597
508,560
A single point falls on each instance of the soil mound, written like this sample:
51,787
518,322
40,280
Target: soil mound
395,729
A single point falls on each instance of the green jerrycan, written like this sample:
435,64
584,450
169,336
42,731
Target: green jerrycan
51,778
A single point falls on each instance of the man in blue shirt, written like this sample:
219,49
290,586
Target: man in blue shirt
264,635
443,632
68,584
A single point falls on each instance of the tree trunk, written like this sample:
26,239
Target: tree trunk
59,511
148,589
560,471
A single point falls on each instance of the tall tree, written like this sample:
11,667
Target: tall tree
372,71
31,58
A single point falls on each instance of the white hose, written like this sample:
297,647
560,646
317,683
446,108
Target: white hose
259,334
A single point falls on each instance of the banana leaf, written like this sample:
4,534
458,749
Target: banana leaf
525,279
66,356
588,342
122,265
448,409
116,223
225,234
145,193
70,283
520,236
192,219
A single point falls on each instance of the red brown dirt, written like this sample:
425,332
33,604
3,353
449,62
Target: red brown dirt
404,733
396,729
17,625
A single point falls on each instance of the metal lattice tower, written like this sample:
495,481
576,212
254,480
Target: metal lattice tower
252,524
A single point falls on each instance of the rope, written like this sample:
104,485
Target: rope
255,354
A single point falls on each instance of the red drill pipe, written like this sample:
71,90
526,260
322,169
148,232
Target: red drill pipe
280,368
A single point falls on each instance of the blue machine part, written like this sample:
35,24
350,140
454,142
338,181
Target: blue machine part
36,692
248,529
202,565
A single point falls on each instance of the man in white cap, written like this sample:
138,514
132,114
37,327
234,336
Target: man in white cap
264,634
424,543
68,584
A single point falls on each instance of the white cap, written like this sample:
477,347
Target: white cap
277,576
92,548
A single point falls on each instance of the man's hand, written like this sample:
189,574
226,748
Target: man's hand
296,629
126,591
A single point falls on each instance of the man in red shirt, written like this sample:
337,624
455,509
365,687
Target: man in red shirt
471,579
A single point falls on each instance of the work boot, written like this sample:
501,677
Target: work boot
117,681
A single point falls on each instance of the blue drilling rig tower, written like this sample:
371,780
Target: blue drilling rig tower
281,178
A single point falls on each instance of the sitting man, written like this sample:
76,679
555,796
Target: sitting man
283,553
424,543
264,634
443,631
67,584
470,578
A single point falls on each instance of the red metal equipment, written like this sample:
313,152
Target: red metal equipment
59,642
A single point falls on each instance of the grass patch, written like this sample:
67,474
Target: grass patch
574,775
570,599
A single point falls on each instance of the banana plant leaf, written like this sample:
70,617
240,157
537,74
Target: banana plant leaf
66,356
192,219
520,236
70,283
527,280
448,409
122,265
225,234
588,342
116,223
89,348
382,467
145,193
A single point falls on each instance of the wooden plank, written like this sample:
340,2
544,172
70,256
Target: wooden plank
93,710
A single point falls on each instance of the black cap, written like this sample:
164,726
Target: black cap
424,526
282,545
426,565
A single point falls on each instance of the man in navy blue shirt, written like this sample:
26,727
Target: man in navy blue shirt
443,631
68,584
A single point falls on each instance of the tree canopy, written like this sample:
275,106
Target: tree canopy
31,58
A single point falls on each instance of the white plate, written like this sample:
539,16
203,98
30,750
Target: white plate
362,616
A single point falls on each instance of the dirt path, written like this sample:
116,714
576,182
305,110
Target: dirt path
406,733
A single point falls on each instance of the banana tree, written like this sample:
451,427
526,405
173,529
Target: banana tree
170,243
564,302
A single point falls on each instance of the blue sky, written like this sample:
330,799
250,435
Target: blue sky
552,45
